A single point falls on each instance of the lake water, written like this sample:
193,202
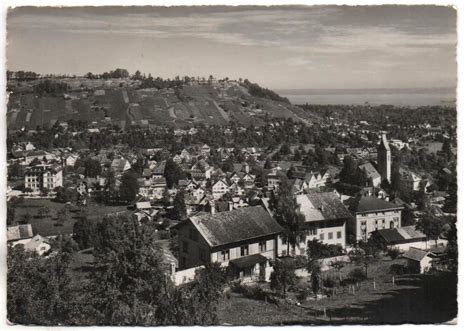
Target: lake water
395,97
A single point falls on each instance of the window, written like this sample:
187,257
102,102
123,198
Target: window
363,223
262,246
244,250
330,235
185,246
225,255
339,234
321,236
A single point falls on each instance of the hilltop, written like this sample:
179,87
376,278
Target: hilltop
127,101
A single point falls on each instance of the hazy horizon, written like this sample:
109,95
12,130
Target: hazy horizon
279,47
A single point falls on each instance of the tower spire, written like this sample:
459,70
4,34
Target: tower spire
384,157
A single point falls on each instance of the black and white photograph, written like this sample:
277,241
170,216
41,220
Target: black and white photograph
226,165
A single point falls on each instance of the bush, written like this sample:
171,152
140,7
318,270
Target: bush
393,253
249,291
329,282
397,269
357,274
303,294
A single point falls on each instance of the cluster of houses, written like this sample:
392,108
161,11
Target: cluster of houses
246,239
228,215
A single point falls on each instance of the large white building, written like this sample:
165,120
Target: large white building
43,177
325,220
370,214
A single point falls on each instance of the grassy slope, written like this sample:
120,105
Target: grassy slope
413,299
199,104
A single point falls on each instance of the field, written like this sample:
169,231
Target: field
412,299
46,226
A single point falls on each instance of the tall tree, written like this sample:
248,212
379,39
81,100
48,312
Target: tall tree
431,225
172,173
39,291
129,283
287,213
283,276
129,186
85,233
179,206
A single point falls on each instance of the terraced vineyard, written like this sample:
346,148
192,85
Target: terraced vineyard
127,104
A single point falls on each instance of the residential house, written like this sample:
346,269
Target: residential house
325,219
205,150
219,188
119,166
370,214
243,240
30,156
410,180
71,159
37,244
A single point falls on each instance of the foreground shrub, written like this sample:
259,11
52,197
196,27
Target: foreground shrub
393,253
357,274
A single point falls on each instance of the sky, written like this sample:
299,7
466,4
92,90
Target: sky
280,47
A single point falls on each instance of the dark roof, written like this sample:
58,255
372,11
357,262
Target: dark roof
415,254
364,204
401,235
390,235
322,206
248,261
236,225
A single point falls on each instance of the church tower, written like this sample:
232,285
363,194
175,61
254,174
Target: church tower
384,158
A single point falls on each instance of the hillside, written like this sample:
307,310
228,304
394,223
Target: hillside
123,102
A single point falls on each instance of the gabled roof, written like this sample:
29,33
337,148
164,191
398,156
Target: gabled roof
323,206
370,170
415,254
119,164
235,226
363,204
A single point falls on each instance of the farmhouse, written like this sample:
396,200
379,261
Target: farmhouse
244,240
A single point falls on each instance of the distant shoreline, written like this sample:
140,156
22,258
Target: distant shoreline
397,97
